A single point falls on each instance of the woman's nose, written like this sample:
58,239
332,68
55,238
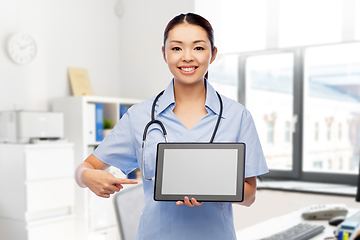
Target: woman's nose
187,56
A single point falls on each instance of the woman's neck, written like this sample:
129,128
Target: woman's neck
189,93
189,102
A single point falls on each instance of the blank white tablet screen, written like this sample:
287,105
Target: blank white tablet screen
200,171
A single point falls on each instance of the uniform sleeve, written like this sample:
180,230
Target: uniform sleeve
255,163
117,149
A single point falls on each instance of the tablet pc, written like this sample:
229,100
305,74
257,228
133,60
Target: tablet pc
208,172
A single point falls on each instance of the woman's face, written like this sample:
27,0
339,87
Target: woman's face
188,53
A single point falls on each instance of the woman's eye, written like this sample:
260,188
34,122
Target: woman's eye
176,48
199,48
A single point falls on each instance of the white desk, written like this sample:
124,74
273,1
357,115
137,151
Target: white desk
309,187
278,224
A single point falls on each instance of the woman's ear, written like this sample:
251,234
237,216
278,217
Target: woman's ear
163,52
213,56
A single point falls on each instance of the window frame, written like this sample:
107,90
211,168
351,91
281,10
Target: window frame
298,112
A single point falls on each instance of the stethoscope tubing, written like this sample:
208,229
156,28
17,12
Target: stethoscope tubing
154,121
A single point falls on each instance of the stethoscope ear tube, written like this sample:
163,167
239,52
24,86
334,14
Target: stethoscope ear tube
219,118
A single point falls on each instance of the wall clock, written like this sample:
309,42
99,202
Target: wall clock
21,48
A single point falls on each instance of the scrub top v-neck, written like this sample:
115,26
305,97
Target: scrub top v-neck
165,220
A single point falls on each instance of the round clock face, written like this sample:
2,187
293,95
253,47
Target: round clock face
21,48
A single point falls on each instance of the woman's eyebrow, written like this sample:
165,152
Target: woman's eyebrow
196,41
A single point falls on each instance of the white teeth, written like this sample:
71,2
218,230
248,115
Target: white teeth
188,69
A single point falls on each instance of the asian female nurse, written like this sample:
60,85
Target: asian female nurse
189,108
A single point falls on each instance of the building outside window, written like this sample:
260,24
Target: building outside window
316,132
270,132
287,131
328,131
269,98
318,165
331,92
339,131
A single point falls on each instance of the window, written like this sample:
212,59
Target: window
270,132
269,98
316,132
330,164
223,75
318,165
328,131
315,88
339,131
287,132
314,92
331,93
340,164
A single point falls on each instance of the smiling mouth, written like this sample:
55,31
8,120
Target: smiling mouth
187,69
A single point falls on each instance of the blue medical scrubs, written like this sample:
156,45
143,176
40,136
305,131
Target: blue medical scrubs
165,220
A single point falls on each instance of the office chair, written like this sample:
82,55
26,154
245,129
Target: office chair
129,204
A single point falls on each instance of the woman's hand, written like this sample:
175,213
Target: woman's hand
189,203
102,183
91,174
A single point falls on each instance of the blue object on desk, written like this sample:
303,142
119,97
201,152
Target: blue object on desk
99,122
349,224
340,237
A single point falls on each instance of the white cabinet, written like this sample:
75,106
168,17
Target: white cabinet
95,216
37,191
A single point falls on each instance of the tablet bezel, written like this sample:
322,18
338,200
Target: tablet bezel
239,197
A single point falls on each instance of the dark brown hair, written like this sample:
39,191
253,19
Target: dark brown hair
193,19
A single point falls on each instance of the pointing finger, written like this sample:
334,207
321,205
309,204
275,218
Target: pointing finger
124,181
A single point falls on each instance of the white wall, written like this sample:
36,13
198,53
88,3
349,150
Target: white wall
143,70
122,55
81,33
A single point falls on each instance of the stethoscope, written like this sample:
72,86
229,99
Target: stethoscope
153,120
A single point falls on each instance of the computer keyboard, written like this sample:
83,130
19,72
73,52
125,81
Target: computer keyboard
301,231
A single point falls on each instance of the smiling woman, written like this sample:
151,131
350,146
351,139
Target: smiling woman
189,108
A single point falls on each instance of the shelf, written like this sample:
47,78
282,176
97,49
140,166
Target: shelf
76,124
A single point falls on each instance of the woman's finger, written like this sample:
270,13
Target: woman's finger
195,202
105,195
187,202
190,203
